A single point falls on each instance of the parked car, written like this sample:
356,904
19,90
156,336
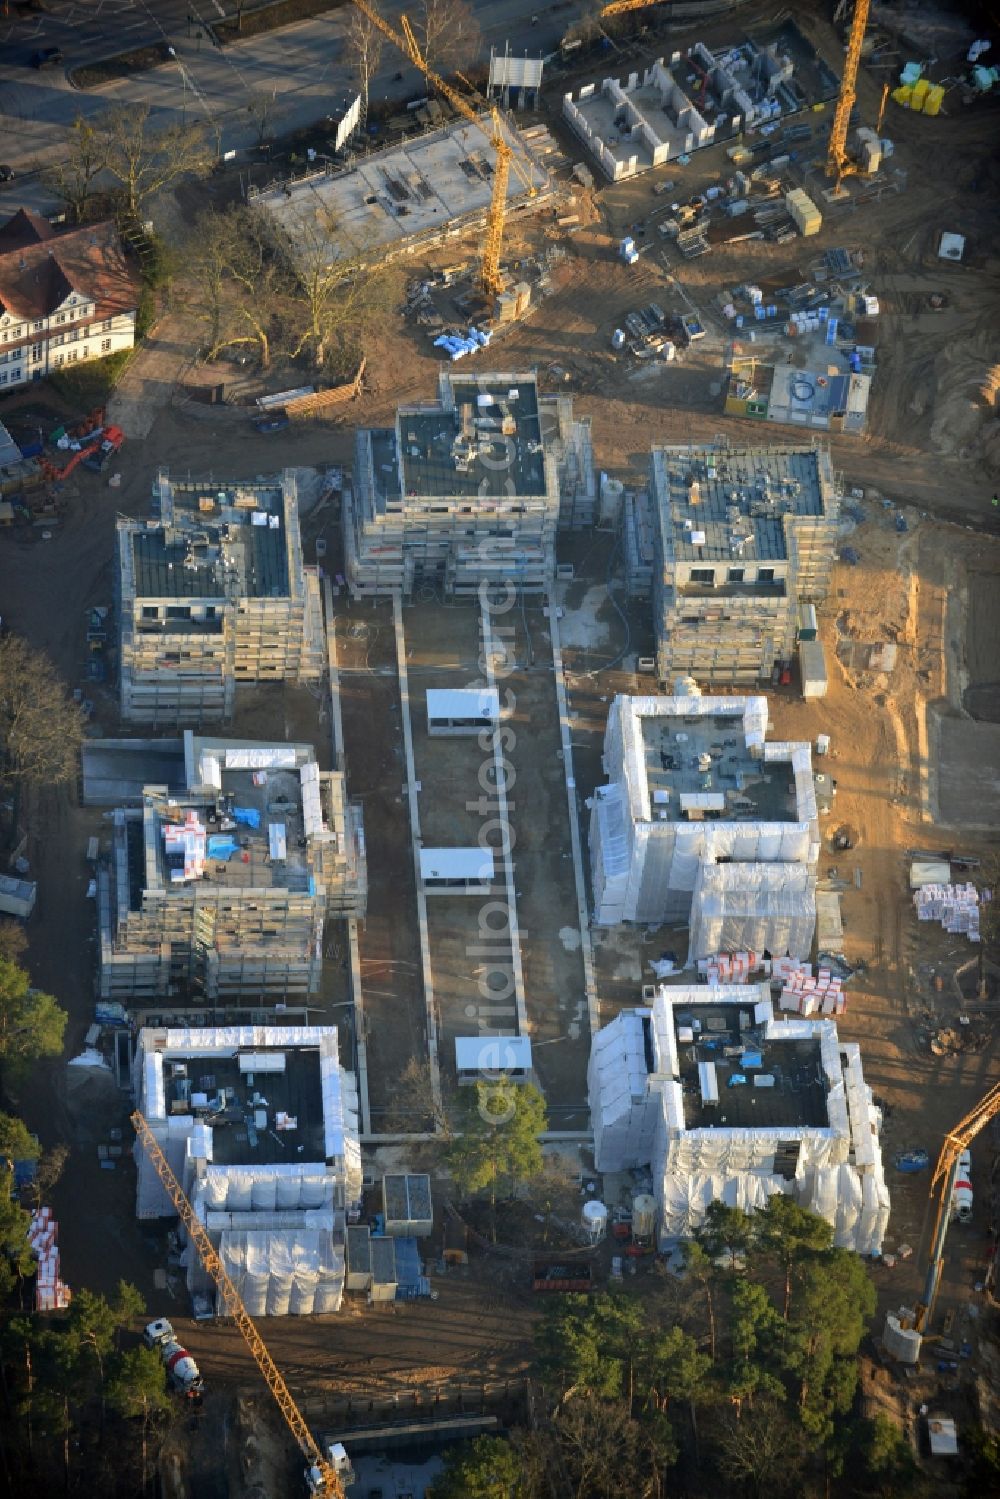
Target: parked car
6,174
47,57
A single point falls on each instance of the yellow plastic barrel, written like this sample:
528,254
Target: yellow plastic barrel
920,91
903,94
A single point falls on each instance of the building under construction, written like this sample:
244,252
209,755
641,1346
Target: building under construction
724,1102
404,198
220,892
730,542
695,787
211,593
260,1126
467,489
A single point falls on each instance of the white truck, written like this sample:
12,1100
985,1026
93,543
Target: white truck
182,1371
961,1197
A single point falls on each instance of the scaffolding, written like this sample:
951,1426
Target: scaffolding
247,916
211,594
467,490
729,543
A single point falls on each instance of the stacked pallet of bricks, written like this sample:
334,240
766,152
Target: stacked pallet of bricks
807,995
956,907
730,968
51,1292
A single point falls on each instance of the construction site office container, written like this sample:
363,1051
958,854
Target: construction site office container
463,711
478,1057
383,1284
812,668
17,897
406,1203
708,1083
456,871
359,1257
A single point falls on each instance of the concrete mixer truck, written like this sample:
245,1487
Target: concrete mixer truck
182,1371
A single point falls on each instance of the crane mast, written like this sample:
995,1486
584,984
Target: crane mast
945,1174
621,7
323,1474
491,277
839,164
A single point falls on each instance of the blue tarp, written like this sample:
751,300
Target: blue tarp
411,1281
249,815
222,846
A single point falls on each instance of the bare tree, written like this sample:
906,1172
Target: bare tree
447,32
365,45
40,725
414,1107
144,160
207,265
341,300
264,111
241,289
82,159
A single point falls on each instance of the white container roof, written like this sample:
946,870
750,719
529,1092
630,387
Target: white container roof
493,1053
464,702
457,864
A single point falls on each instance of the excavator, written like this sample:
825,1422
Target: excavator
322,1477
952,1161
95,453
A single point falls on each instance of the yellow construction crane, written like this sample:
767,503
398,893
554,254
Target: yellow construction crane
406,42
321,1475
838,163
621,7
945,1176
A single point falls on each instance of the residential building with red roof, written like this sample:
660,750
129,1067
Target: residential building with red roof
65,296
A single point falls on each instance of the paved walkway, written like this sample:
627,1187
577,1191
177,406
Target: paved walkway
151,376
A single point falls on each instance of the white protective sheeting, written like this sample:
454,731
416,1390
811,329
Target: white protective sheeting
280,1275
154,1104
312,802
283,1188
218,1223
639,1117
685,1200
644,865
753,907
339,1089
151,1200
261,757
609,848
623,1105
